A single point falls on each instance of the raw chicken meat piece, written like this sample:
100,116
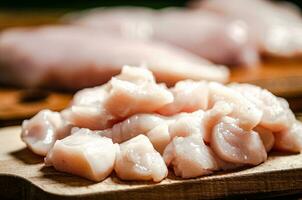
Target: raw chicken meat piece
133,91
199,122
190,157
213,117
203,127
186,124
189,96
159,129
276,27
87,109
160,137
266,136
162,129
277,115
233,144
40,132
85,154
138,160
242,108
43,56
206,34
133,126
290,140
155,127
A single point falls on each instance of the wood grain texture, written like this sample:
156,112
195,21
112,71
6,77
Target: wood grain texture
14,18
283,77
23,175
19,104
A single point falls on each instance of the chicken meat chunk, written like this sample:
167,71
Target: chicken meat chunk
133,91
138,160
85,154
277,115
233,144
190,157
41,132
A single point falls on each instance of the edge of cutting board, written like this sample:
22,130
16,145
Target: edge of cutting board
22,175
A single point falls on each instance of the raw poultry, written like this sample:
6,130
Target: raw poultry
230,131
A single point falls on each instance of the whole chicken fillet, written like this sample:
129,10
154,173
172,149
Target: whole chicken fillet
85,154
71,57
275,27
209,35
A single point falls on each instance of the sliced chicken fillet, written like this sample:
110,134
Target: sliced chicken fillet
190,157
290,140
242,108
85,154
128,96
131,92
159,129
40,132
266,136
233,144
189,96
133,126
138,160
277,115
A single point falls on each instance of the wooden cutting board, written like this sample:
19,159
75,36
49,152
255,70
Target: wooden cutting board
22,175
19,104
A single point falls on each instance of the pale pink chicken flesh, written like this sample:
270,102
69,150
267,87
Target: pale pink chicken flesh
133,126
242,108
277,115
159,129
275,27
189,96
87,110
203,127
40,132
190,157
85,154
133,91
138,160
206,34
213,116
290,140
266,136
233,144
162,129
39,57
